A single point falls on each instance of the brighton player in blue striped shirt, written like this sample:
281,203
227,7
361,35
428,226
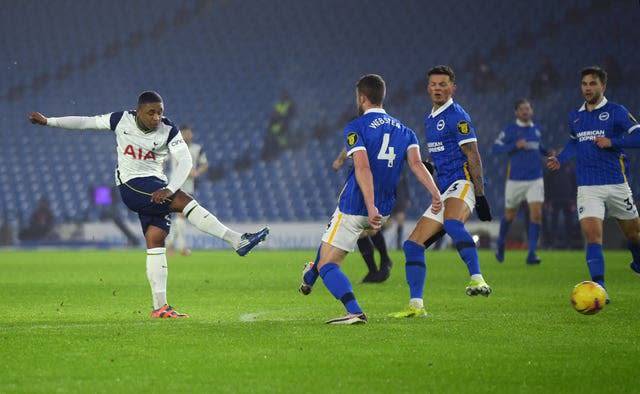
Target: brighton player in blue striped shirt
452,144
379,145
599,130
521,141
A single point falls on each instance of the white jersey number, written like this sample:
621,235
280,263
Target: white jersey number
387,152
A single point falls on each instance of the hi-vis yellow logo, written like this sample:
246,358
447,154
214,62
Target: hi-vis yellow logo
463,127
352,138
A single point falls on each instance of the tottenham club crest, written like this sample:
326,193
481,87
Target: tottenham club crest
603,116
463,127
352,138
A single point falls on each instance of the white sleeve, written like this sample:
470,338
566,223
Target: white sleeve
183,162
100,122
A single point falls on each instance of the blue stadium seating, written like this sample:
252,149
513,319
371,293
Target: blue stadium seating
222,65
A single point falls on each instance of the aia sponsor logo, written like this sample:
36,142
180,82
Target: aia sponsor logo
139,154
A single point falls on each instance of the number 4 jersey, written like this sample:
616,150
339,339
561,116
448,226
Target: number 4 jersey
386,142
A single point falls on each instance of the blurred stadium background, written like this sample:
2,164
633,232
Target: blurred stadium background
227,67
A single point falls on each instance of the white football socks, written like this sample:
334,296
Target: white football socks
207,222
477,277
416,303
157,273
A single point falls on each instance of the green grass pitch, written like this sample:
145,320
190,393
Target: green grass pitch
78,321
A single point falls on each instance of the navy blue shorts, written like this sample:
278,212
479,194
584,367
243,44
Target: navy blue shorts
136,195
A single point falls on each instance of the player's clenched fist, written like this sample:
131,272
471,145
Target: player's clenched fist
37,118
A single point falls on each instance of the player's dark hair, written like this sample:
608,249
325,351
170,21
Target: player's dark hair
372,86
520,102
595,70
149,97
442,70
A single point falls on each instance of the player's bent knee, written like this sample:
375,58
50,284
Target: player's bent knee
180,201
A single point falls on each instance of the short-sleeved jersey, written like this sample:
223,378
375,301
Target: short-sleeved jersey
140,154
524,164
199,158
446,130
386,142
595,166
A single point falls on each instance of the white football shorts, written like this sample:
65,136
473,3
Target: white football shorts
461,189
516,192
344,230
616,200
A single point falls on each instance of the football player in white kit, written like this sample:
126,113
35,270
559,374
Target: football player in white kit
145,138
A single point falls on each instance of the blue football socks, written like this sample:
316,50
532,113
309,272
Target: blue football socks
415,268
464,243
504,229
595,262
534,231
634,248
338,284
312,275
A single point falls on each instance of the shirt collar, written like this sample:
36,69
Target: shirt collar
441,109
375,110
524,124
602,104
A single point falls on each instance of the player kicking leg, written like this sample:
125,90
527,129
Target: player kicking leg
145,139
154,217
365,245
450,219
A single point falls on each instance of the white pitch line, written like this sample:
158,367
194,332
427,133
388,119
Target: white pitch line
251,317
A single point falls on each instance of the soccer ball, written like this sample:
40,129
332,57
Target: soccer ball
588,297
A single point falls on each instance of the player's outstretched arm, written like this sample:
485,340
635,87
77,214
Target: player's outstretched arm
424,177
100,122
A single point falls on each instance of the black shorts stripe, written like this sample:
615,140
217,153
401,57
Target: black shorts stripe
347,297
